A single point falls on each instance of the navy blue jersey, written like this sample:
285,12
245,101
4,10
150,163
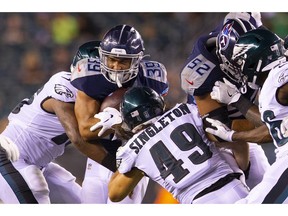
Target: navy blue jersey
202,70
88,78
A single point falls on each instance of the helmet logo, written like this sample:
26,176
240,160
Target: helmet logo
118,51
135,113
63,90
241,49
224,36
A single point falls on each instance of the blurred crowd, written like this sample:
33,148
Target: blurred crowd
33,46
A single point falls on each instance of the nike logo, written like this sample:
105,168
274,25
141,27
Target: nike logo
79,68
111,116
66,78
230,95
190,82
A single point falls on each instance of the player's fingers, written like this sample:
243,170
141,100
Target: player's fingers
212,94
210,120
210,130
227,82
95,127
217,83
282,128
101,132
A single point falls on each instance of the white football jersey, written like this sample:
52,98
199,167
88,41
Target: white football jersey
272,112
38,133
175,153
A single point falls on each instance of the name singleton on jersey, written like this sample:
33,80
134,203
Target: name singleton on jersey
158,126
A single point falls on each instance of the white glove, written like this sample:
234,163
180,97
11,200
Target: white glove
245,16
108,118
222,130
225,92
284,127
9,147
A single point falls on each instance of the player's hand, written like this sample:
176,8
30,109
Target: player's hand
9,147
108,118
284,127
221,130
225,92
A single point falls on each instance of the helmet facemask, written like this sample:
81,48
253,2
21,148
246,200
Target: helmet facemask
124,42
226,40
119,76
255,54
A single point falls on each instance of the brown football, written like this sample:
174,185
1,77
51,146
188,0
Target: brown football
114,99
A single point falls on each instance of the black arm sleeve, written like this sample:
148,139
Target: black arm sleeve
220,114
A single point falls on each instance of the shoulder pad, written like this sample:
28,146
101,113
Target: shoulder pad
86,67
195,73
154,70
61,87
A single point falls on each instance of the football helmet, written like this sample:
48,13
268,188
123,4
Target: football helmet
121,41
86,50
226,40
255,52
140,106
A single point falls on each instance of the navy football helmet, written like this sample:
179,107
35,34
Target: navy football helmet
140,105
121,41
226,40
86,50
256,52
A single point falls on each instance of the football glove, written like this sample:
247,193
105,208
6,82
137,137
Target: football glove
108,118
225,92
9,147
221,130
284,127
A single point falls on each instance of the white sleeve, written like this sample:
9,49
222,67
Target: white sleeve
124,159
60,87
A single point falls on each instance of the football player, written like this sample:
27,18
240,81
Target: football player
116,61
259,60
208,64
39,129
172,149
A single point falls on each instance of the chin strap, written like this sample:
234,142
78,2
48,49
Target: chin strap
118,83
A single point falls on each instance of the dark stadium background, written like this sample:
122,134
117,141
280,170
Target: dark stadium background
34,46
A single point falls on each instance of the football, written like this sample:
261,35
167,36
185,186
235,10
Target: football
114,99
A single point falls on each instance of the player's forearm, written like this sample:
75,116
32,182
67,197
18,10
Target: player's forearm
97,153
121,185
84,128
116,190
254,116
257,135
249,110
241,154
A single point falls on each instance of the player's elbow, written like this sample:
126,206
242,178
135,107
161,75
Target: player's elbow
115,197
85,134
116,192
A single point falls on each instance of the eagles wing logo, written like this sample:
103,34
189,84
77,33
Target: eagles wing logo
61,89
241,49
